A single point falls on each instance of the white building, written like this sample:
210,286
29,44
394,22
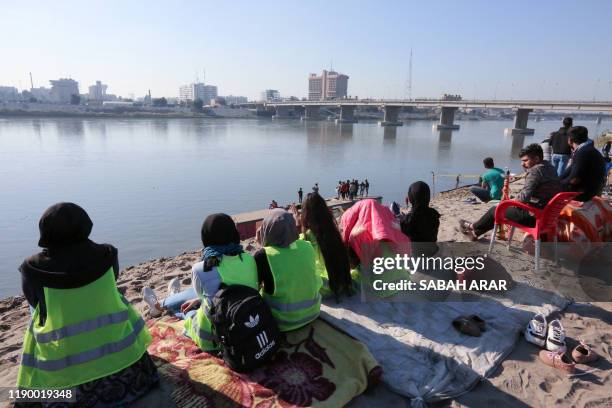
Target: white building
97,92
62,89
235,100
42,94
270,95
192,92
9,94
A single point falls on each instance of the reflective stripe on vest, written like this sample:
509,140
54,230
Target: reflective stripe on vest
203,334
30,360
303,320
82,327
292,307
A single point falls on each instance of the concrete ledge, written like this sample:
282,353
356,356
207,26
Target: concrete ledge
346,120
311,118
385,123
447,127
515,131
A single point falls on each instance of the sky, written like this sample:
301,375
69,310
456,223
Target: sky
549,49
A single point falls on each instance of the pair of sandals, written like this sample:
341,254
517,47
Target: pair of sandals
471,325
465,227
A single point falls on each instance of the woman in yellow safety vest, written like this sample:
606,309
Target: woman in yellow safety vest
317,226
286,266
223,261
83,334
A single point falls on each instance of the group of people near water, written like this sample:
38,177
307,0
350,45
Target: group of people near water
351,189
84,334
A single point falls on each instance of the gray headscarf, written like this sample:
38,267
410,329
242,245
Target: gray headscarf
278,229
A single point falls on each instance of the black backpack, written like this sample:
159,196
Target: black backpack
244,327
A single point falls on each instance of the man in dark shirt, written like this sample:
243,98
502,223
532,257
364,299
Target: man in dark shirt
561,150
586,173
541,184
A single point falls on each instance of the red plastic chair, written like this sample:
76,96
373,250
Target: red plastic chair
546,221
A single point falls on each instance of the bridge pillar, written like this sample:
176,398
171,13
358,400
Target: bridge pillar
391,116
447,117
347,114
520,122
311,112
282,112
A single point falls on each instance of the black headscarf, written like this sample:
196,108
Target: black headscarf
219,229
423,222
419,196
69,258
220,237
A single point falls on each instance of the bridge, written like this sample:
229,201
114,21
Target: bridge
391,109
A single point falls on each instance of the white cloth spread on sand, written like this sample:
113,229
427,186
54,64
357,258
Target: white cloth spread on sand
423,357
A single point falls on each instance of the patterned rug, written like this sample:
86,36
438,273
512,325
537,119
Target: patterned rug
316,366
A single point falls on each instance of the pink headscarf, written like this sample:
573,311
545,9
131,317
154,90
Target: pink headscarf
366,224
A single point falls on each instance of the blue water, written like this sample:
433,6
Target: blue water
148,183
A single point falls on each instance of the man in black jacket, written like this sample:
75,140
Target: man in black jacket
586,172
560,148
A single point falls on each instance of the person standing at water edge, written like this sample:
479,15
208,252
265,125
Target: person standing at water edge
83,334
492,182
315,188
367,187
561,150
300,195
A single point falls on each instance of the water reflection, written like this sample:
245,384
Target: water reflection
389,135
444,139
160,127
346,130
97,126
68,128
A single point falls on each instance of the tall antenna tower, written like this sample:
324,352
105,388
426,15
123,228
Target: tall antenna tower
408,89
31,82
204,79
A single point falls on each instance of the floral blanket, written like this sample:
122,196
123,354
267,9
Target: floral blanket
316,366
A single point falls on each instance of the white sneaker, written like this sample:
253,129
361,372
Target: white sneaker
174,286
555,340
536,330
151,300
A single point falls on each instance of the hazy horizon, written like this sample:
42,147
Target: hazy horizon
520,50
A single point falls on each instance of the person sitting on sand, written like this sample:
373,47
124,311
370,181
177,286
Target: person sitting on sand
421,224
492,182
541,184
83,334
223,261
286,267
587,171
316,225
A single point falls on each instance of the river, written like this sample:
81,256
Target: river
147,184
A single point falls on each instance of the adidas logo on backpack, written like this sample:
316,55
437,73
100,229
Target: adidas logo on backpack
244,326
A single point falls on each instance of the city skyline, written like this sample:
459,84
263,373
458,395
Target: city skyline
548,50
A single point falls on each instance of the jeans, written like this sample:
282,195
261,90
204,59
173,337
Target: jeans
487,221
482,193
559,162
173,303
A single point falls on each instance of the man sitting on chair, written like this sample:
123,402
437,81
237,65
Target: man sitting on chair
541,184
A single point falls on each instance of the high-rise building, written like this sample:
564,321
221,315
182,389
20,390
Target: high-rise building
270,95
62,89
192,92
97,92
328,85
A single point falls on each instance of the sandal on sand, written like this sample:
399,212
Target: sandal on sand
467,326
465,227
583,353
479,322
557,360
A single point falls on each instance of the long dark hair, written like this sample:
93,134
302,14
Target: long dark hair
317,217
